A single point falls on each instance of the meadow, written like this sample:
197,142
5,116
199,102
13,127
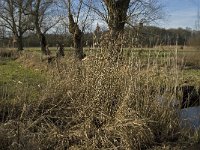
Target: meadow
95,104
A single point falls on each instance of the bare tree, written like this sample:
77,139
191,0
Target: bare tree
145,11
13,18
44,17
117,13
77,16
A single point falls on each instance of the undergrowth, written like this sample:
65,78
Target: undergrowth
96,104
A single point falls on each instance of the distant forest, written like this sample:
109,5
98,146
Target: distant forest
148,36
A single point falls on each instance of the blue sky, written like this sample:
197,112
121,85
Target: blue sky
180,13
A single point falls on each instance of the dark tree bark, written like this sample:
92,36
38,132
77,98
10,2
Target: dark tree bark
77,37
43,43
20,45
117,14
41,36
78,44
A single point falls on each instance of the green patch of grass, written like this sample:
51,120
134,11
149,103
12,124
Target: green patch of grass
192,76
17,81
192,72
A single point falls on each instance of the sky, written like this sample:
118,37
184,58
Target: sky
180,13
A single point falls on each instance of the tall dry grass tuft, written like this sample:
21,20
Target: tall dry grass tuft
95,104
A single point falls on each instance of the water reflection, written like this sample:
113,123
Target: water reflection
190,117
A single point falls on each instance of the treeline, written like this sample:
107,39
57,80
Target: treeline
168,37
148,36
31,40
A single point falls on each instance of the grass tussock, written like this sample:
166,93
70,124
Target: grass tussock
95,104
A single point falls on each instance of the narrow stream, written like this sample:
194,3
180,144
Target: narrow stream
190,117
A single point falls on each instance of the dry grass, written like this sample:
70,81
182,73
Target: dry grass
192,61
8,53
95,104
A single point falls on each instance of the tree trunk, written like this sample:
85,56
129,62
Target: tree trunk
117,12
20,45
43,43
77,38
78,45
40,34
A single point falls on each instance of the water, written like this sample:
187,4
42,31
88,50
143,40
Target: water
190,117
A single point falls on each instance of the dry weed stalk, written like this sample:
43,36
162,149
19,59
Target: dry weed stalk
94,104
